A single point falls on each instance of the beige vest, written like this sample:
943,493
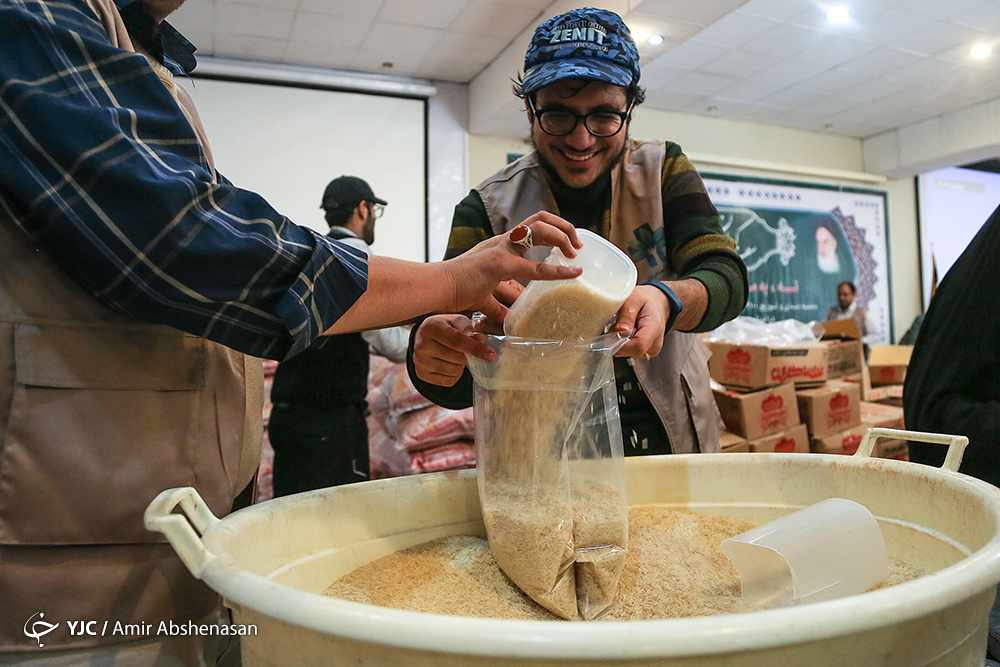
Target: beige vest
98,414
677,379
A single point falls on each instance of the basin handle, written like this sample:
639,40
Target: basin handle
956,443
180,528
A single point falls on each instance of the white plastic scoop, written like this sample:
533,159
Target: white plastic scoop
828,550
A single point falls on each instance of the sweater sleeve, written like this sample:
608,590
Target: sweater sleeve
696,244
469,226
456,397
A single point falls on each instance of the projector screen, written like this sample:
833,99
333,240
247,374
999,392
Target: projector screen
286,143
954,204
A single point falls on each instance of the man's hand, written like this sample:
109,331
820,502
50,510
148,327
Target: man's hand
647,310
477,280
484,267
645,313
440,346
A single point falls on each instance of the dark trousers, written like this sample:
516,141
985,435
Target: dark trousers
318,449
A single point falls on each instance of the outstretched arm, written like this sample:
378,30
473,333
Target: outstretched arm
398,291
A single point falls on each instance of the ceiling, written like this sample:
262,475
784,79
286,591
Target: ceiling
779,62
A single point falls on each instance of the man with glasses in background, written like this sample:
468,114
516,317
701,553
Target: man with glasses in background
318,427
580,86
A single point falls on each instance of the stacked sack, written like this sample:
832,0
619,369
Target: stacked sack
408,434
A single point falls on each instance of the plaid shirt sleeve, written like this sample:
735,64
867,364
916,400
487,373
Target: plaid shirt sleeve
99,166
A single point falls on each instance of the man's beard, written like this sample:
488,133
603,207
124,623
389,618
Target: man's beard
554,174
368,229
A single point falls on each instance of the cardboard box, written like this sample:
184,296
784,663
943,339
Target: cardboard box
730,442
758,413
833,407
892,449
881,415
846,328
846,353
870,393
795,439
749,366
845,357
840,442
887,364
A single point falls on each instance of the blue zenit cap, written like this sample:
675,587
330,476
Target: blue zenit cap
587,43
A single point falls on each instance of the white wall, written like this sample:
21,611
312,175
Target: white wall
447,162
784,148
287,142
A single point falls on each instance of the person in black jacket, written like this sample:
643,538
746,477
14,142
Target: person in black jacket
952,384
318,426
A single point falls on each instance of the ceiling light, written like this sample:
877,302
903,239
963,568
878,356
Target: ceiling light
838,15
655,40
981,51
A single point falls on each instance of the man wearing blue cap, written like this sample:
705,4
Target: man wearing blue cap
580,86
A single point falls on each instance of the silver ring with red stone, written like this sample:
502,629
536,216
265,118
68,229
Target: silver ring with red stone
520,237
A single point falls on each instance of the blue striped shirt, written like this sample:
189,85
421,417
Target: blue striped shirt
100,167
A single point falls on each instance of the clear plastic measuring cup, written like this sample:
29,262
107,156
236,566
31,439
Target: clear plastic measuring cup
828,550
608,278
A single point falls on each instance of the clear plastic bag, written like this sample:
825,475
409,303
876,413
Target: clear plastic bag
746,329
551,469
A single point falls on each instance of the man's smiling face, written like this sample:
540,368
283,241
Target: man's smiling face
579,157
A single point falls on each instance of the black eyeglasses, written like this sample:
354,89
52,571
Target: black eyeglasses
598,123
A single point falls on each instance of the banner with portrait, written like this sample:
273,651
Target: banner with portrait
800,241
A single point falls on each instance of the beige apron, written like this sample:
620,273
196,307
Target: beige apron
676,380
98,414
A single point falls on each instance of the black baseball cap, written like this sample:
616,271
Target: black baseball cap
348,190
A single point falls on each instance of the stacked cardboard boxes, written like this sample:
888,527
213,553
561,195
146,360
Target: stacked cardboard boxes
882,378
809,397
832,414
833,407
767,419
845,354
